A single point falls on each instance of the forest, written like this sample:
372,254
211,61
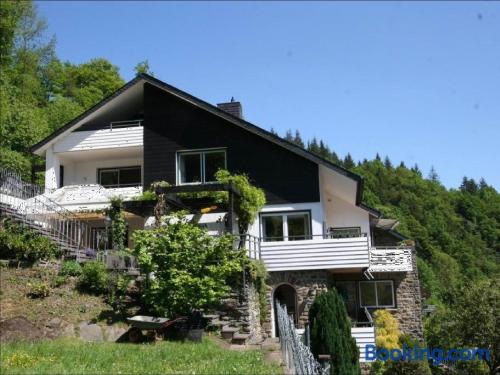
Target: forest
456,230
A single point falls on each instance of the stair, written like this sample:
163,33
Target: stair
229,333
26,205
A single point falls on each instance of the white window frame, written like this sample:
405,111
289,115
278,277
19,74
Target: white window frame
377,305
284,216
202,153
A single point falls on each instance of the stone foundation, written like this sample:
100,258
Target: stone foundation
242,309
408,310
307,285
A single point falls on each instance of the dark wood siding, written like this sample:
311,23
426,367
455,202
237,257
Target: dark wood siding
172,125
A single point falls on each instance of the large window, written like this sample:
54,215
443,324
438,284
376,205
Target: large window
290,226
199,166
119,177
378,293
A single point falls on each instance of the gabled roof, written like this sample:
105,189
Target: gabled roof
218,112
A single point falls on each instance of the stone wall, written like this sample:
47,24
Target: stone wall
307,285
242,309
408,310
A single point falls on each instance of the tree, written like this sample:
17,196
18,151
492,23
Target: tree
178,286
475,320
377,157
433,176
298,139
272,131
387,162
313,146
143,67
348,162
288,136
331,333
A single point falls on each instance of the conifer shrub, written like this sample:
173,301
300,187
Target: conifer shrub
331,333
387,330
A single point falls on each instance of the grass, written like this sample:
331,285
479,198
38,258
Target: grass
64,301
76,357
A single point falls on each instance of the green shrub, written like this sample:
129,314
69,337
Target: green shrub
116,291
58,280
38,289
190,267
70,268
331,333
23,244
94,278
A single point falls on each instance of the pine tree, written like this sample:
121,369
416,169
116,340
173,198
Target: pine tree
289,136
377,157
272,131
298,139
331,333
387,162
433,176
334,157
416,170
482,184
402,165
348,162
313,146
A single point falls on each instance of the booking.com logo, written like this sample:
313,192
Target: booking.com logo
437,355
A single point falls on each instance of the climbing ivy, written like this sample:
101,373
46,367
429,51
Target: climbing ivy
118,225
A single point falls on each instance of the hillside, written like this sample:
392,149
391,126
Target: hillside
457,230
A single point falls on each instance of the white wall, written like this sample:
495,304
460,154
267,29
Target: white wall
86,172
339,213
101,139
52,164
316,215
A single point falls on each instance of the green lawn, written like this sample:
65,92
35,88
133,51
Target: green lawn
76,357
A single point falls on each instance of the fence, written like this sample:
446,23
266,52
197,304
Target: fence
296,354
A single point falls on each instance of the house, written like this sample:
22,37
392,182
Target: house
313,233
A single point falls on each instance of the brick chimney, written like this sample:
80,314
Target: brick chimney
233,108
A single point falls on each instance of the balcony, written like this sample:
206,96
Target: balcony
391,259
318,252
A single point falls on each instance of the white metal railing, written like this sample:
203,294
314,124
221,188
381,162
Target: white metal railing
28,204
390,259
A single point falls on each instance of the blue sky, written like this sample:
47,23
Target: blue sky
418,81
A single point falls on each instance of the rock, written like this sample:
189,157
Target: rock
67,330
91,332
114,333
54,323
19,328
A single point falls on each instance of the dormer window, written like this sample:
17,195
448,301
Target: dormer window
198,167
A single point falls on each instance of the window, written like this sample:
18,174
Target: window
119,177
376,293
286,226
344,232
200,166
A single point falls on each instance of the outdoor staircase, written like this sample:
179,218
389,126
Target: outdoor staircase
29,206
229,332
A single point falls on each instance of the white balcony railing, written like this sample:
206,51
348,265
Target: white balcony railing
316,253
390,259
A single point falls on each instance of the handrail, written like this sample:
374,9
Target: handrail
368,315
30,202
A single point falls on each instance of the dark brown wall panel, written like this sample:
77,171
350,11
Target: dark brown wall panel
171,124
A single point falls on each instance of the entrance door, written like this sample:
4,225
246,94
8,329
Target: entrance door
285,295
